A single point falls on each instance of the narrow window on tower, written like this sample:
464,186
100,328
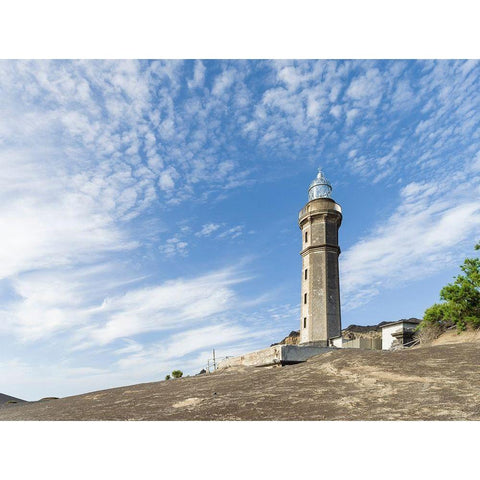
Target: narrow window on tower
306,237
305,322
306,274
305,298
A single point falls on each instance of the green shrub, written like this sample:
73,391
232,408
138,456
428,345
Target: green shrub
177,374
167,377
461,300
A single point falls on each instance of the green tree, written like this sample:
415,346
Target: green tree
167,377
177,373
461,299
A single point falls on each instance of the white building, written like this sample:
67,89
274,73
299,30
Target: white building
401,331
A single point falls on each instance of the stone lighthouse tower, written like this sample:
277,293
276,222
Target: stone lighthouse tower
319,222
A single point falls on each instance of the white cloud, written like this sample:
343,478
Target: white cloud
352,114
233,232
336,111
170,305
223,82
166,181
50,223
367,88
174,246
434,223
476,163
198,75
208,229
57,301
404,96
72,303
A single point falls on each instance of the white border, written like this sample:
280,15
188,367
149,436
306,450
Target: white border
239,29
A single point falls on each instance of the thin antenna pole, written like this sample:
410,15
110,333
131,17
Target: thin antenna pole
214,364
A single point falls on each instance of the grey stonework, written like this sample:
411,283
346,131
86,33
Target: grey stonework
320,318
275,355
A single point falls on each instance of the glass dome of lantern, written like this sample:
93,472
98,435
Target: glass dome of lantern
320,187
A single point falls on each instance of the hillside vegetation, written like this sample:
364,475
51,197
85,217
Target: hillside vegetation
460,304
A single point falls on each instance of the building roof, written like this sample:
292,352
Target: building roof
412,321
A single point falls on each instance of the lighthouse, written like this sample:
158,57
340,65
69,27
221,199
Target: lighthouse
319,221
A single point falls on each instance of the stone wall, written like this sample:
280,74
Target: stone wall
276,355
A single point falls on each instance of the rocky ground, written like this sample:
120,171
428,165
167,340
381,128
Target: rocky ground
438,382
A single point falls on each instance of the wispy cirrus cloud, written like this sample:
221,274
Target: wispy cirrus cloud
207,229
69,303
173,304
433,225
232,232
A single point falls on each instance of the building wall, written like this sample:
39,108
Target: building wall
337,342
267,356
276,355
364,343
320,313
387,338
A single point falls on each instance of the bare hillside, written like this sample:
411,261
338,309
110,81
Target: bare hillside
8,400
439,382
452,336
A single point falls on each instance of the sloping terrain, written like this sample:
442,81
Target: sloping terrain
8,400
452,336
440,382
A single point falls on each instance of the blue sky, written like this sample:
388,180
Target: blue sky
149,209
